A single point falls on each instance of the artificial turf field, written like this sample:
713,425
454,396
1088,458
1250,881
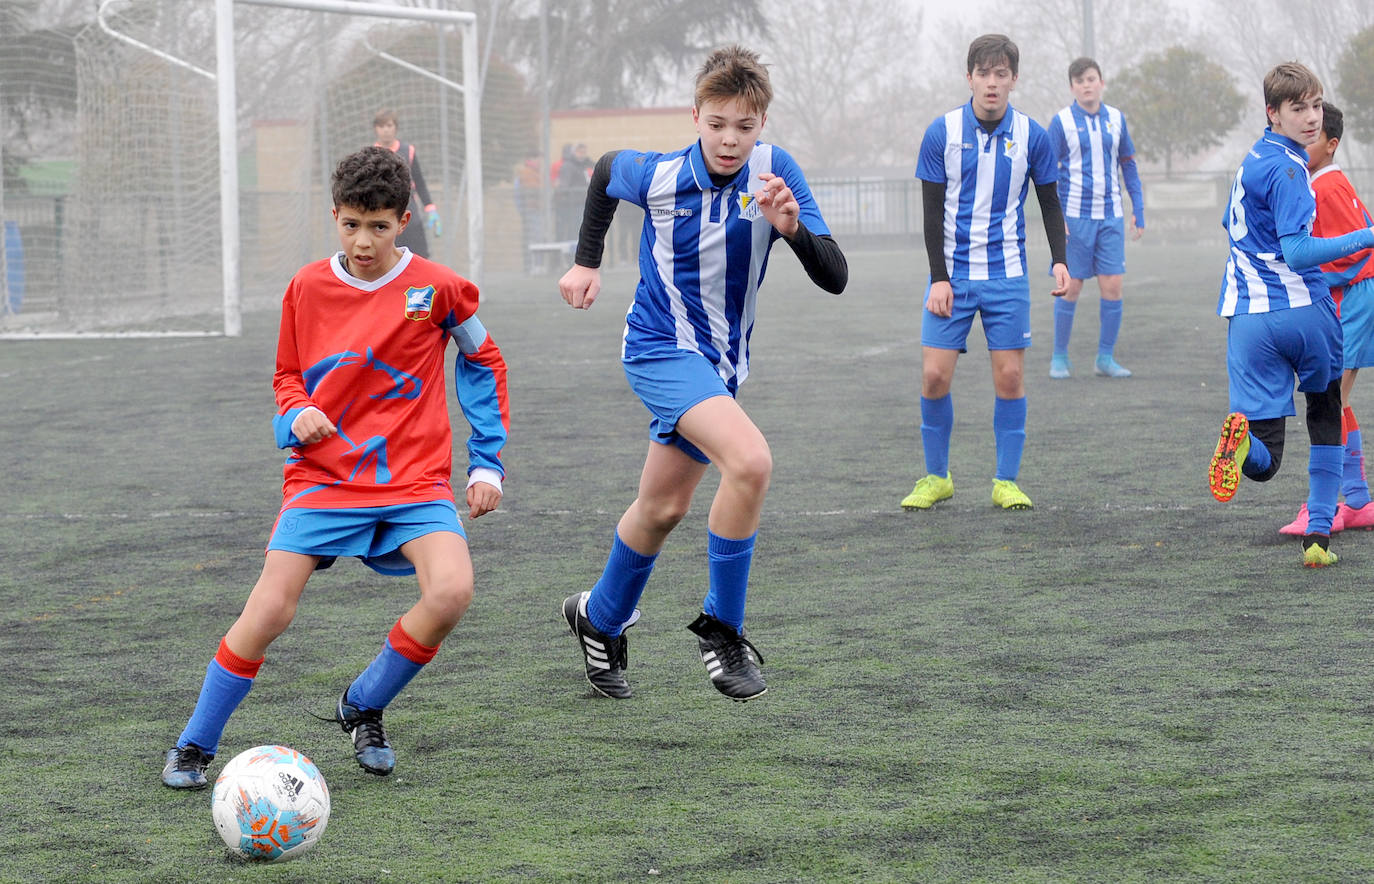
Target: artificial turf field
1132,682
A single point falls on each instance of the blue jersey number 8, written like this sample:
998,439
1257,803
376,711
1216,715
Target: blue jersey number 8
1237,226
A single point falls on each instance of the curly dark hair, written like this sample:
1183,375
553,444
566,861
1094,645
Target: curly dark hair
371,179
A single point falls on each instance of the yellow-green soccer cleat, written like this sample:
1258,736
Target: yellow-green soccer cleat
1223,476
1314,555
929,491
1006,495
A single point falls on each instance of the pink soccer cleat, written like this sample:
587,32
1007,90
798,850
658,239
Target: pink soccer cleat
1298,527
1350,517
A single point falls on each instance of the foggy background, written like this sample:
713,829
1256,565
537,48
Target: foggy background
109,156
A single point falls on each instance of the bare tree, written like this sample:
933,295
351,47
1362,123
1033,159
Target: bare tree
846,82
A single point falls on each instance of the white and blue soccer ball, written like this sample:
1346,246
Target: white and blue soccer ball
270,803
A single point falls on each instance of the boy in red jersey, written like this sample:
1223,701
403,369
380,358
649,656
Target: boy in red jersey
361,404
1340,211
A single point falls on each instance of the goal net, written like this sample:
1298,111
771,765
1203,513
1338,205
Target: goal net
112,197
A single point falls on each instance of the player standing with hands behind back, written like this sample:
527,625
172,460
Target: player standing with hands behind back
976,165
712,211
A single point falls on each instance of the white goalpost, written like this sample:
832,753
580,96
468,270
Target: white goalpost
193,192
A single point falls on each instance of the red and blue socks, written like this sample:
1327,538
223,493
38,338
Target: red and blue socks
401,658
1353,483
228,679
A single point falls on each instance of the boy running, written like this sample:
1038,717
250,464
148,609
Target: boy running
1281,318
1339,211
1091,141
976,165
712,212
361,404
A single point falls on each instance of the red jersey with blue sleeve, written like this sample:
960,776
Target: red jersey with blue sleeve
703,252
1340,211
370,356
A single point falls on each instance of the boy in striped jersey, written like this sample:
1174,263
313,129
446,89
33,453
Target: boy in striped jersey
712,211
975,166
1282,320
1339,210
1091,141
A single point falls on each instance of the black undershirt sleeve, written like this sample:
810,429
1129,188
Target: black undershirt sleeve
933,223
1048,194
821,258
597,214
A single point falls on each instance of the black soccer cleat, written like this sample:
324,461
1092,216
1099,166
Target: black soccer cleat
370,747
185,768
606,658
731,660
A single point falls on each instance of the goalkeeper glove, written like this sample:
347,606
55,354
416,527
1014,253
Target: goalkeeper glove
432,221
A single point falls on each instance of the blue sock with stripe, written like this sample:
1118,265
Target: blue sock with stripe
400,660
1353,483
937,423
1009,429
1324,485
728,562
220,694
1110,314
1063,324
615,595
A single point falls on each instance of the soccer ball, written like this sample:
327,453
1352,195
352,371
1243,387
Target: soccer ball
270,803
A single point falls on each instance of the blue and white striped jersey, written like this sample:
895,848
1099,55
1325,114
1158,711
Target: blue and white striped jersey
1090,148
1270,198
703,251
986,177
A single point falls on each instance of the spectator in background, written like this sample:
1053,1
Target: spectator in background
413,236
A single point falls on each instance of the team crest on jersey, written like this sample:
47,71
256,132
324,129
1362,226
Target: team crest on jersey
1290,171
1010,148
419,302
749,208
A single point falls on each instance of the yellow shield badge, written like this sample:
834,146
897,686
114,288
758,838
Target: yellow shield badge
419,302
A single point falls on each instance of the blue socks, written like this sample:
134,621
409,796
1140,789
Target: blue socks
1258,461
615,595
1009,428
937,423
220,694
1324,484
729,562
1110,314
1063,324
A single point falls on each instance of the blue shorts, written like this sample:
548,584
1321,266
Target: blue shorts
1096,247
1265,350
372,533
1357,324
669,383
1002,304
